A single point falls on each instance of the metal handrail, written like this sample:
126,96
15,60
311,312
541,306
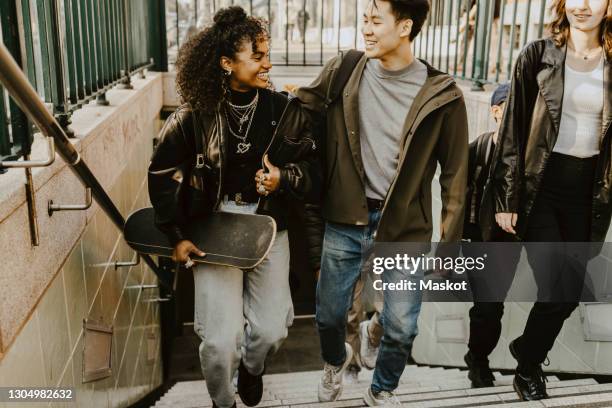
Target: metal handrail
17,85
33,163
52,207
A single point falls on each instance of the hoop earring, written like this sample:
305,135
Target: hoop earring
227,73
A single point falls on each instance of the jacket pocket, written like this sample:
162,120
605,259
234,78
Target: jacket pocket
291,150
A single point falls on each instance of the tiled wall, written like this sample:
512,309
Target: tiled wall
46,348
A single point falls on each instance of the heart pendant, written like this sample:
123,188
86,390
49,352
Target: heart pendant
243,147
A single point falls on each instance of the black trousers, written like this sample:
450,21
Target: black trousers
561,213
489,292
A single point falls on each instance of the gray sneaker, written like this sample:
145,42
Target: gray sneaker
330,386
368,352
381,399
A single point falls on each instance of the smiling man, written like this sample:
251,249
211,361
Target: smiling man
396,120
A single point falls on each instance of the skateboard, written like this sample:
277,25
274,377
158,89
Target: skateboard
229,239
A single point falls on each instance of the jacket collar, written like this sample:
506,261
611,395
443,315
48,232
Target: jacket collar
433,87
550,80
551,83
435,83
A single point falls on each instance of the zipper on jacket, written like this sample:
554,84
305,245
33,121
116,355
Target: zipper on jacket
399,165
312,142
276,131
263,166
218,119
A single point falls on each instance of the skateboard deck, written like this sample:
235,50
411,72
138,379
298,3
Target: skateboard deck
228,239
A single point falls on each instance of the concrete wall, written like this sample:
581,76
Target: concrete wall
47,291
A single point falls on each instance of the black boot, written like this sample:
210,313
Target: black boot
529,381
250,387
479,372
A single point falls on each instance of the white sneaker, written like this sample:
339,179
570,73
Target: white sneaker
382,399
330,386
367,351
351,375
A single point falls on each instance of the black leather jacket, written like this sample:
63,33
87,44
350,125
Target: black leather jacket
185,175
528,134
479,165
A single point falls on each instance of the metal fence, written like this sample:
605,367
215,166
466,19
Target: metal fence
303,32
477,40
72,52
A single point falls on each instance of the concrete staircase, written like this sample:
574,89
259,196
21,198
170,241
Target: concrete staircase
421,387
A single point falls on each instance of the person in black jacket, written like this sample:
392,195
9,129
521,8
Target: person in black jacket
490,286
479,165
234,146
551,181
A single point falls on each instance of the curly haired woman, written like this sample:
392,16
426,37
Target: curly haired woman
234,146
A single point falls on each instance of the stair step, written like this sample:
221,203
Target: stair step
296,382
446,394
562,397
433,392
575,401
413,381
460,382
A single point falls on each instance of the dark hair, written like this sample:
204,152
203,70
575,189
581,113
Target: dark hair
199,76
560,27
415,10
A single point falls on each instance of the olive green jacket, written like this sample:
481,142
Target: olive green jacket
435,131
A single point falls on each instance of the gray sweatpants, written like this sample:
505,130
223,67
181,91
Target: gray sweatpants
241,315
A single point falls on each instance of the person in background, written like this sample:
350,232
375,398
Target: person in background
302,23
469,16
489,287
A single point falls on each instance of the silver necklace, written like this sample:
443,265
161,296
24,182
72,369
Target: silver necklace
590,53
242,114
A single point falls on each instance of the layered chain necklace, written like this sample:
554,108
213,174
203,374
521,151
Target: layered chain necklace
242,115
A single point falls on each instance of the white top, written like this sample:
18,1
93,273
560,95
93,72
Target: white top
580,128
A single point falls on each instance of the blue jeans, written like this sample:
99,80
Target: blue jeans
341,264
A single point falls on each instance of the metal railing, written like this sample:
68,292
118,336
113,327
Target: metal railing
72,52
303,32
479,40
25,96
476,40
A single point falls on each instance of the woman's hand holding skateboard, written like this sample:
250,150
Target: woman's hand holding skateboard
183,249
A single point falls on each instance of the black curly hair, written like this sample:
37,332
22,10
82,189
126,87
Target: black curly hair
199,76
